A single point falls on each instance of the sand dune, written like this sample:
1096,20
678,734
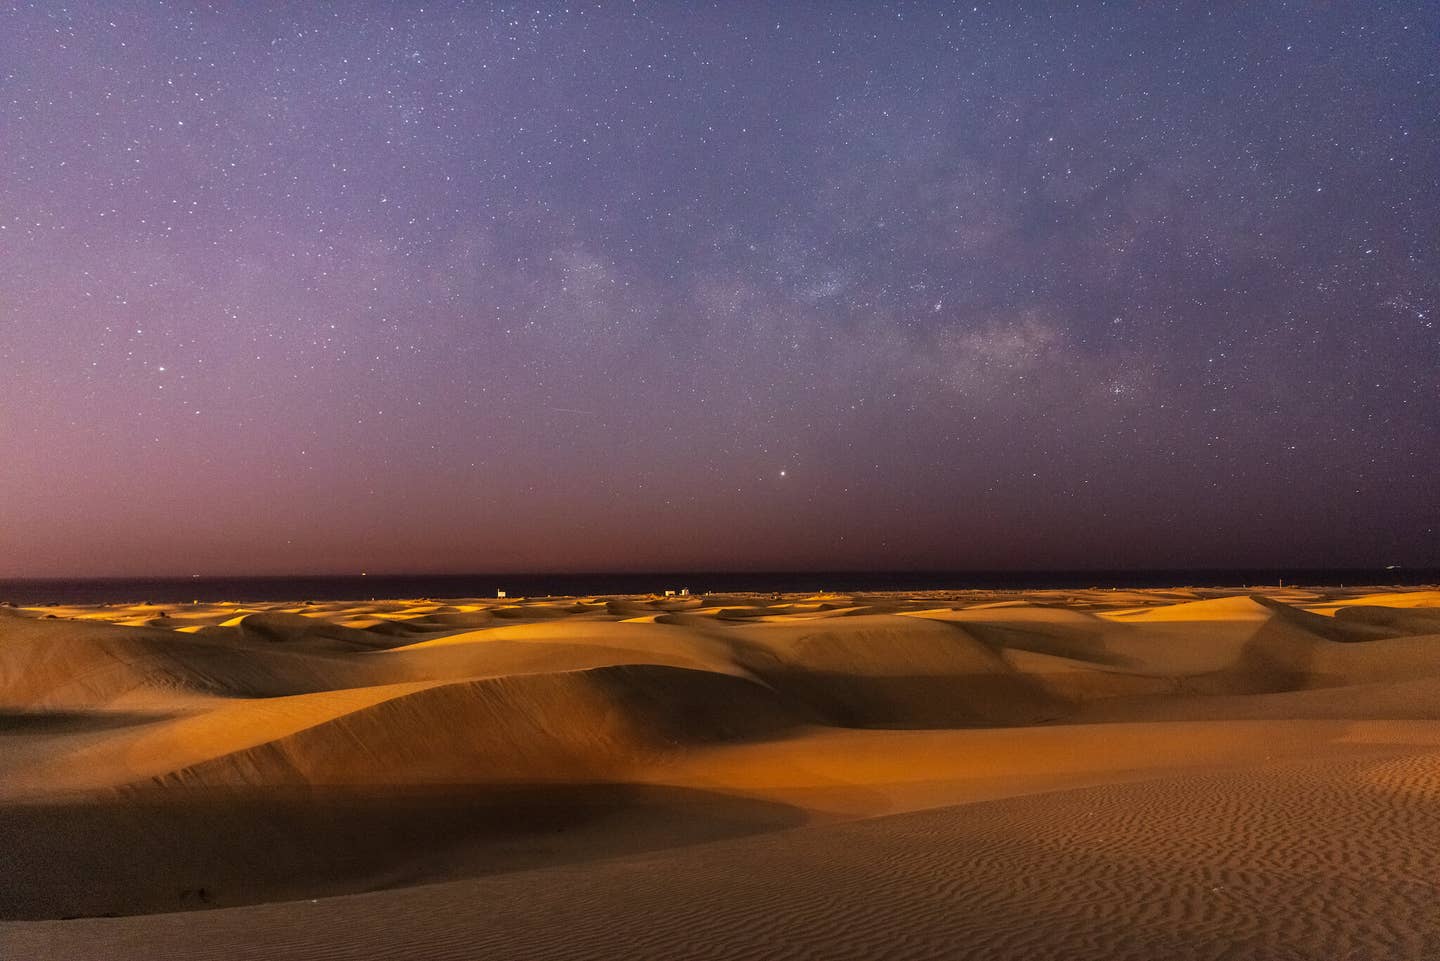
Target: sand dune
1089,774
1294,861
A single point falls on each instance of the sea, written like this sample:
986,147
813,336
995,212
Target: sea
175,590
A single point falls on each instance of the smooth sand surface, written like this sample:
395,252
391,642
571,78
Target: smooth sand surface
1192,773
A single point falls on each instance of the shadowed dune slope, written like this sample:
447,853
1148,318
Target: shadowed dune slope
1401,621
61,664
886,671
186,849
577,726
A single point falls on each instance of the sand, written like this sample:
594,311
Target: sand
1192,773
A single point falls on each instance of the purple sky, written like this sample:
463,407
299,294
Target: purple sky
403,287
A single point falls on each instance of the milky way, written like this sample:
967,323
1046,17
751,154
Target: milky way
403,287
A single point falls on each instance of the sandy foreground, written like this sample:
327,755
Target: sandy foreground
1071,774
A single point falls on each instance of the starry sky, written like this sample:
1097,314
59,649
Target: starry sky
438,287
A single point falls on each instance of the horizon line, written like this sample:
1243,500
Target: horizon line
743,572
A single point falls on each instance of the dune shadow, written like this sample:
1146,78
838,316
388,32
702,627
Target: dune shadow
72,722
918,701
182,849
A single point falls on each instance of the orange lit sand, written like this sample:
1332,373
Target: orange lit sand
1073,774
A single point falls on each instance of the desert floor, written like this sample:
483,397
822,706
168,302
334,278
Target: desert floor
1095,774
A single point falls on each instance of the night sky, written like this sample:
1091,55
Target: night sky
430,287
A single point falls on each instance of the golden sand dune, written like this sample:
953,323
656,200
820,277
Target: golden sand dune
1091,774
